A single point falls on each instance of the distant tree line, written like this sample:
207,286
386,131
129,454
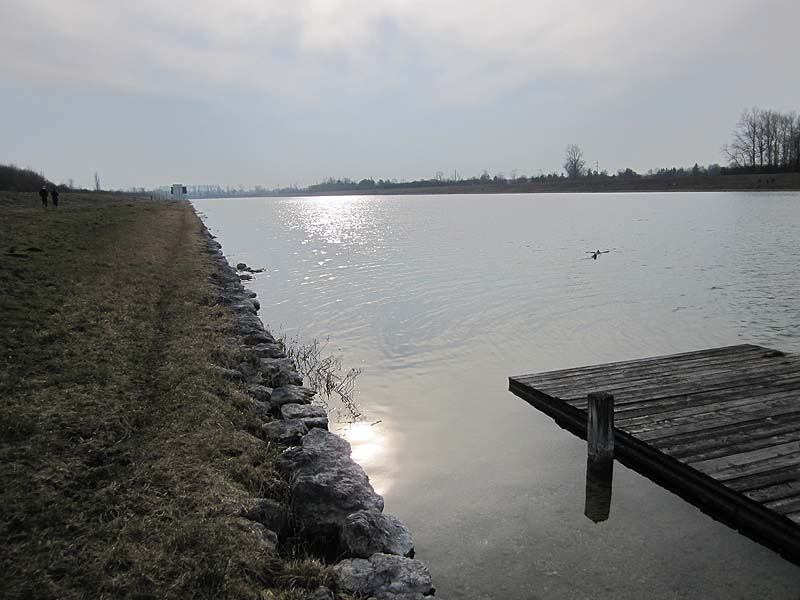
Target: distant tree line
764,141
15,179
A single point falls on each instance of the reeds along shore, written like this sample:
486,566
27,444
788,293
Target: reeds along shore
126,459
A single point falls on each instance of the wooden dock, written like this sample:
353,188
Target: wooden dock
719,427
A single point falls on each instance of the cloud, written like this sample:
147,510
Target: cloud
312,88
451,50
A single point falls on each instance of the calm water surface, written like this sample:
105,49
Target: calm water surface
440,298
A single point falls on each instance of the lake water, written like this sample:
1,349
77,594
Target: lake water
440,298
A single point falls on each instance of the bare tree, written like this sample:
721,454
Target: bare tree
741,152
574,164
765,139
96,181
795,145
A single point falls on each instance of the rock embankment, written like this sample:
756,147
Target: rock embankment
333,505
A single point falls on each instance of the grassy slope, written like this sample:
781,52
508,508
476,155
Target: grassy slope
122,456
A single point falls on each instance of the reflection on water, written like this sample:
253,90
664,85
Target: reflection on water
599,482
440,299
369,446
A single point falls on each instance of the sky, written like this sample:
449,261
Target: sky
276,93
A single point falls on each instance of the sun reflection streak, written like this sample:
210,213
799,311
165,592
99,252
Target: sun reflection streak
336,219
369,445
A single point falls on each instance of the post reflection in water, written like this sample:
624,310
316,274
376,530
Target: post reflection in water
599,480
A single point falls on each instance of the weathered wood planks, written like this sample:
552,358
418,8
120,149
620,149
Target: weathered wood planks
720,427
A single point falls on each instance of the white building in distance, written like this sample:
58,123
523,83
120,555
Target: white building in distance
178,191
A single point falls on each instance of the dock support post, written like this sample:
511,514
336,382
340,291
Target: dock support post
600,428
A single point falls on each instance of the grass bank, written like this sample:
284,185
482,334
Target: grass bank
124,457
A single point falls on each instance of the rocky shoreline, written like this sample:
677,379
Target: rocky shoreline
333,506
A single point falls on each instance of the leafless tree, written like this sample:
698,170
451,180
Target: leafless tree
574,164
765,139
741,152
794,157
96,181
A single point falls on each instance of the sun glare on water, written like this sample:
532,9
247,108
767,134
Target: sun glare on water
369,444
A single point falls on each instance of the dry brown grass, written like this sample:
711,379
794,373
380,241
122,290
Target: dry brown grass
121,453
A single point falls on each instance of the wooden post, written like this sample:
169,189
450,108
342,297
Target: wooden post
600,428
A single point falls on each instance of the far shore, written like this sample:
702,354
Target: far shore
778,182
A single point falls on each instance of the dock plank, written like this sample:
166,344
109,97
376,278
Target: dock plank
731,385
773,422
764,480
698,398
741,459
785,506
741,349
775,492
670,385
653,371
720,427
743,440
711,420
701,408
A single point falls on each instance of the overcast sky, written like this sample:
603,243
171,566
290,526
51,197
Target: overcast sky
232,92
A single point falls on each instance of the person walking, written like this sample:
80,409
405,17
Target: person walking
54,194
43,196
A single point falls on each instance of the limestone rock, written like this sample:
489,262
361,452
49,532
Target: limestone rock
243,267
384,576
327,485
261,393
244,305
290,394
257,337
312,415
269,351
272,364
368,531
248,324
321,593
287,432
280,371
263,409
412,596
227,299
267,536
319,446
250,372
